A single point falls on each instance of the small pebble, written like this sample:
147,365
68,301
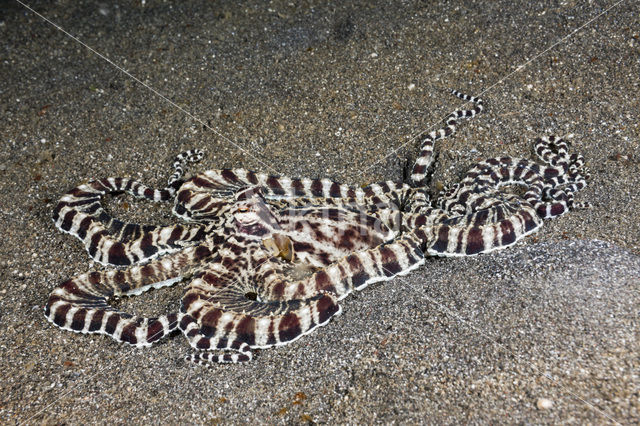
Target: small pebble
544,403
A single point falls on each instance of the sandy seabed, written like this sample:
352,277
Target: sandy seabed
543,332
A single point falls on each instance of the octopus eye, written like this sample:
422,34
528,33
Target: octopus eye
243,209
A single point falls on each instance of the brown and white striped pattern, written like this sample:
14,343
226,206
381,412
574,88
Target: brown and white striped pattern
110,241
427,139
219,315
80,304
269,258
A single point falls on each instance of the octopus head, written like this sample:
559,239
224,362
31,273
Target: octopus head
252,216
